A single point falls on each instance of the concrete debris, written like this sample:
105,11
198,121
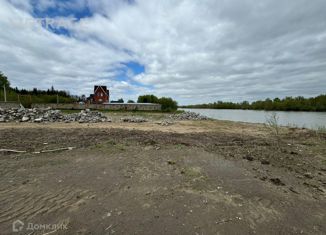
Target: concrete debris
165,123
133,119
48,115
25,119
187,116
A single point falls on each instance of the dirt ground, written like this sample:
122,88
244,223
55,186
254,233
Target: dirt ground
193,177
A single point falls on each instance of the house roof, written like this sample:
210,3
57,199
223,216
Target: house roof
97,87
103,88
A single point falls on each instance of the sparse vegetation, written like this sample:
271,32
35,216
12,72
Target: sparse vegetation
320,131
273,125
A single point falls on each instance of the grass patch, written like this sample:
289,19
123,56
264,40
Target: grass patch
192,172
110,145
321,130
180,146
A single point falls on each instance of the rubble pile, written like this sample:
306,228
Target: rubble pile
48,115
187,116
133,119
87,116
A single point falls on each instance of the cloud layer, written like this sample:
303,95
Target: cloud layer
194,51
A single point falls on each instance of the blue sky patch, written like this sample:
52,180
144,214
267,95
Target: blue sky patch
62,8
129,70
135,68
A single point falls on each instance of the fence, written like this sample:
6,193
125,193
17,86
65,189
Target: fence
76,106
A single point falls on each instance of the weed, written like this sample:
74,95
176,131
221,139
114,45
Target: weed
273,125
320,131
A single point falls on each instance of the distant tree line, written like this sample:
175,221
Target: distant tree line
38,92
168,104
35,95
119,101
287,104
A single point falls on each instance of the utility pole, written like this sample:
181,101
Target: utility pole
57,98
4,92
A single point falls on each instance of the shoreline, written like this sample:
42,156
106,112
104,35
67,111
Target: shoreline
291,119
263,110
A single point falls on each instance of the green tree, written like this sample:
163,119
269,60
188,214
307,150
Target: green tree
168,104
4,81
4,87
147,99
131,101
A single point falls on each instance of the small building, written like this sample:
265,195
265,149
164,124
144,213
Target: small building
101,95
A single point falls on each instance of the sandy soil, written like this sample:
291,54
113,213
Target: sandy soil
204,177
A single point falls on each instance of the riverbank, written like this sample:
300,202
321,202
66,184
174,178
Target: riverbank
184,177
298,119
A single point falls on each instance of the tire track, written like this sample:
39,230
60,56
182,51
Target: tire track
32,204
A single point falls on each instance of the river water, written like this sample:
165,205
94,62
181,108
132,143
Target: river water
311,120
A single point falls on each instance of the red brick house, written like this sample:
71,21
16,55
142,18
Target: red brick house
101,94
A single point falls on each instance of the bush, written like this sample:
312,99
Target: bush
168,104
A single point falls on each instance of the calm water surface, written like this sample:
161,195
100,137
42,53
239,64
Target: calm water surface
311,120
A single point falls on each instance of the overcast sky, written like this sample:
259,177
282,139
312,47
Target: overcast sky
193,51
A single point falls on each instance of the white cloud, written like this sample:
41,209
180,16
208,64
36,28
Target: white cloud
194,51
